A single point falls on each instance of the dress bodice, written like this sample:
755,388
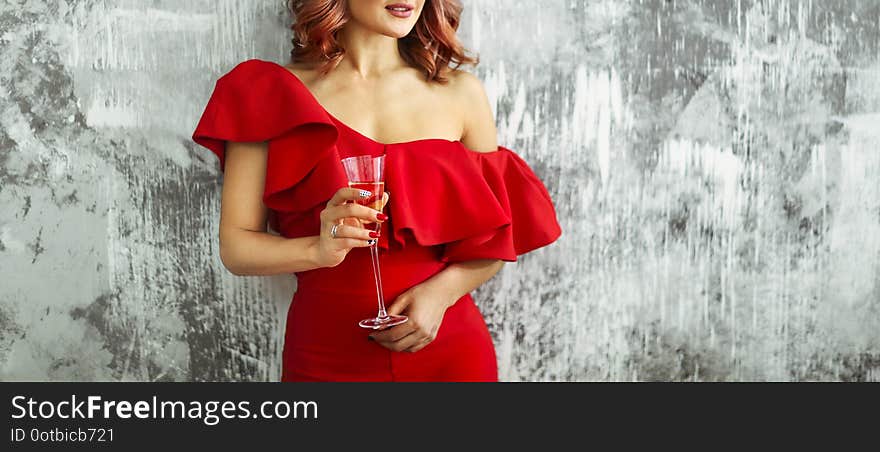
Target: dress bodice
470,204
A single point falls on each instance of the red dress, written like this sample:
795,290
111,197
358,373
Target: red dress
448,204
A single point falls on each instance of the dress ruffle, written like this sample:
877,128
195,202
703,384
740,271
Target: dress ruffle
254,102
478,205
524,198
473,205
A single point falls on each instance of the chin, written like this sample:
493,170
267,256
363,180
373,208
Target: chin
398,31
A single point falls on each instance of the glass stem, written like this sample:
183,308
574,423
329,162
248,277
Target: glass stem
374,251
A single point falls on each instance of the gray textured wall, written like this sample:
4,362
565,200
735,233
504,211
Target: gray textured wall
715,167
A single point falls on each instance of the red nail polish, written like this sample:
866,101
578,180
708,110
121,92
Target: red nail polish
382,217
374,234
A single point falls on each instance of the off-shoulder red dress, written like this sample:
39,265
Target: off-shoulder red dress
448,204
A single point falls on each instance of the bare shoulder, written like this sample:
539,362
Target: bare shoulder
479,132
306,72
467,88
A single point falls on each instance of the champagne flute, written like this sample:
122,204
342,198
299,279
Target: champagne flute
366,172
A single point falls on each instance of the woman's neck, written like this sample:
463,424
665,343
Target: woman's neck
368,54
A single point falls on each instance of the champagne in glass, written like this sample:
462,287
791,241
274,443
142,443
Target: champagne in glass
366,172
376,188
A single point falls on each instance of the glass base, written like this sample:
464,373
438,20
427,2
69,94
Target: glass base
381,322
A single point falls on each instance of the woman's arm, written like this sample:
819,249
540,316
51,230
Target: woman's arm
461,278
246,248
478,134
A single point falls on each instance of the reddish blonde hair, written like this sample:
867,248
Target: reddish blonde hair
432,46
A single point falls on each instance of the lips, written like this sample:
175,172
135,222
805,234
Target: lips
401,10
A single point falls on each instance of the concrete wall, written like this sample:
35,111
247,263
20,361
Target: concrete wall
714,165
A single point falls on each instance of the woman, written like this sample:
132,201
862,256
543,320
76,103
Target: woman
373,77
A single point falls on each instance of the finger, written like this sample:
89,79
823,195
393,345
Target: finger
385,199
352,243
347,243
407,342
398,306
395,333
351,232
352,210
353,222
345,194
419,346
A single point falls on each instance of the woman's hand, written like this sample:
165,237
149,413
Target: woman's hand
425,307
351,233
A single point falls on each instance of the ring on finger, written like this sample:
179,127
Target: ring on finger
333,230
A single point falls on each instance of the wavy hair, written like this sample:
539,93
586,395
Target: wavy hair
432,46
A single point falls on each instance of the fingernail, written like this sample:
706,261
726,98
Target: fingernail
365,193
374,234
381,216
